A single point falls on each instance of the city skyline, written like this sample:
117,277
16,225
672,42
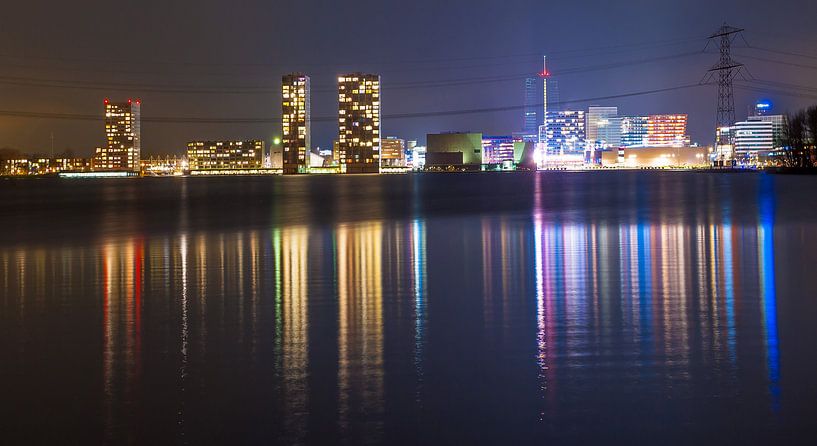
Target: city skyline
236,76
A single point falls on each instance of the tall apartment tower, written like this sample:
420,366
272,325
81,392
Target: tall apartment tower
296,125
123,132
359,122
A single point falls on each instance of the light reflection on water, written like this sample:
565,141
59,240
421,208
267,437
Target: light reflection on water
529,325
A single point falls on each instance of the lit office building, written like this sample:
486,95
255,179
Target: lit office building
359,122
634,131
124,137
418,157
598,119
753,139
296,125
225,155
667,131
656,157
778,124
565,132
393,152
499,149
609,132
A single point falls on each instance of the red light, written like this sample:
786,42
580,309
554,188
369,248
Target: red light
544,74
128,101
106,101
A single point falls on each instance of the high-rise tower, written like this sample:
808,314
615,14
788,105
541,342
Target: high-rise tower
123,132
359,122
296,125
530,123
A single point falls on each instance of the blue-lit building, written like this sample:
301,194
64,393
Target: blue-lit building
634,131
530,119
498,149
565,132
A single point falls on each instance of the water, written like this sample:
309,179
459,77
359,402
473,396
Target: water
615,307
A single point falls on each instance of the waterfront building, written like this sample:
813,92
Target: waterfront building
296,123
598,120
410,146
656,157
359,122
418,157
753,139
124,137
667,131
498,149
565,132
32,165
458,150
633,131
610,132
778,124
530,121
225,155
393,152
164,165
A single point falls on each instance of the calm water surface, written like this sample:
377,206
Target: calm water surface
614,307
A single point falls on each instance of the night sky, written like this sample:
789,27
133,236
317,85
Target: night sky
189,61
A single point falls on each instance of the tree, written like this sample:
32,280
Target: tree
795,140
811,125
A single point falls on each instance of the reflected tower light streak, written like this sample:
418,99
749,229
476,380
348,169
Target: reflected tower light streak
419,268
729,290
768,292
295,341
184,336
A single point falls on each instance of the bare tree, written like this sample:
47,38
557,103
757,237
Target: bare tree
811,125
795,138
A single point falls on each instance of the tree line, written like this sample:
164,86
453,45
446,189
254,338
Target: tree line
800,138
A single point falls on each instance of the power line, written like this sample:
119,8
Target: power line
204,120
217,89
781,62
604,49
786,53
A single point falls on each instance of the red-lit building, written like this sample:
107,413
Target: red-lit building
667,131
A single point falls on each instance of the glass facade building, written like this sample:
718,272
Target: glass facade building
530,120
603,127
634,131
565,132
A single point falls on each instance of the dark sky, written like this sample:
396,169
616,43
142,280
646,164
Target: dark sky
166,53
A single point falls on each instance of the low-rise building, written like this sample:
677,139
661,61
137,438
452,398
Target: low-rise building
656,157
456,150
225,155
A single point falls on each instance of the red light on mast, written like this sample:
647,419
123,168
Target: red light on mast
106,101
544,74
